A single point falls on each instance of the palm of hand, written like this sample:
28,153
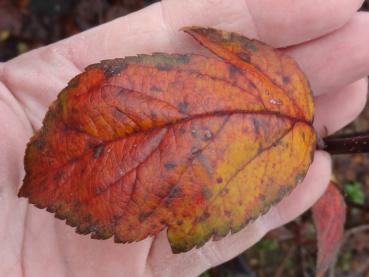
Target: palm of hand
34,243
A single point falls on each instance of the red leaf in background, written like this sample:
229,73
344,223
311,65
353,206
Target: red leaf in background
329,215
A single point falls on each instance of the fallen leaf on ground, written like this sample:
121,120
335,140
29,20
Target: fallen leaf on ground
329,215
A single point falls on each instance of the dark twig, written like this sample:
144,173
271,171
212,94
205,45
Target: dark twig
354,143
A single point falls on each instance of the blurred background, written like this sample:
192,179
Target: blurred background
287,251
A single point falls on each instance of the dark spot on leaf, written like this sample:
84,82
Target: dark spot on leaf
206,164
286,80
300,177
256,123
276,143
122,93
204,216
58,176
252,85
98,150
219,180
206,193
74,82
156,89
142,216
183,106
182,130
194,132
245,57
163,222
224,191
164,66
283,191
115,220
169,166
118,114
113,67
249,44
207,135
232,70
179,222
40,144
153,115
99,190
195,150
184,59
259,125
175,190
227,213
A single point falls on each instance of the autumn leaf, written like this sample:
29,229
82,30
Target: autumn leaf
329,215
195,144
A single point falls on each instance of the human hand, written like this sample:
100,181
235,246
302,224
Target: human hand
330,46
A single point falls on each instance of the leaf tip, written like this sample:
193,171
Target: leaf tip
187,29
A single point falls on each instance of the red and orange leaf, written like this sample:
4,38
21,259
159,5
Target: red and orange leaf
194,144
329,215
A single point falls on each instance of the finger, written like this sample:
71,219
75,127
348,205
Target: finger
15,132
335,110
338,59
283,23
162,262
140,32
155,28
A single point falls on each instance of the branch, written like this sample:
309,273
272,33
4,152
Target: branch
354,143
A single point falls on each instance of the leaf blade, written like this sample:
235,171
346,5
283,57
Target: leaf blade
135,145
329,215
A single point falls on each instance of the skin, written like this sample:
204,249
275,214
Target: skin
327,38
